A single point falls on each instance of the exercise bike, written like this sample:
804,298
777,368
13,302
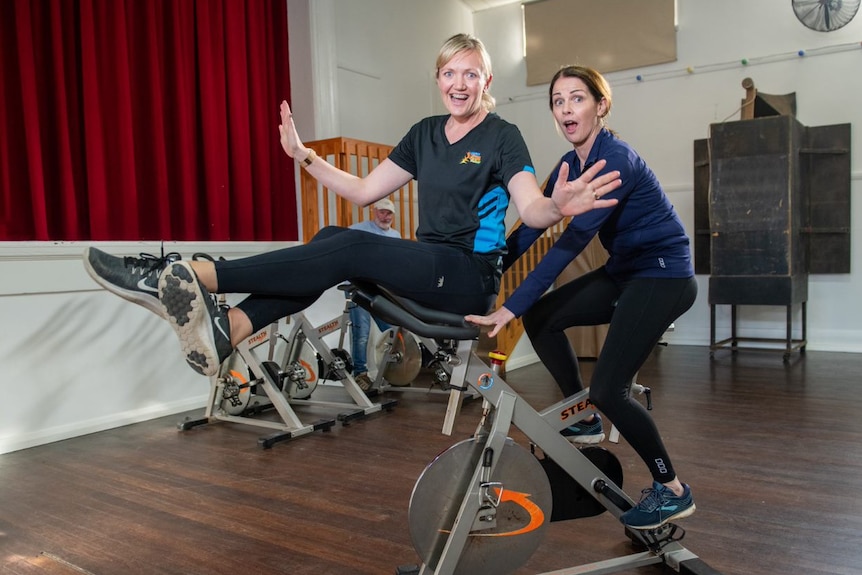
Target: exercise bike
482,506
400,356
269,370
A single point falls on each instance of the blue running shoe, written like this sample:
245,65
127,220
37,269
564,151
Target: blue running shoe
657,506
585,433
201,325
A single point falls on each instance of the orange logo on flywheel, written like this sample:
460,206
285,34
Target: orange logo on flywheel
537,516
308,369
240,378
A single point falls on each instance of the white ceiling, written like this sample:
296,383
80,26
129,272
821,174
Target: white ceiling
477,5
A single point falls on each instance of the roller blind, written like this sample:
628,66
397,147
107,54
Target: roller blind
608,35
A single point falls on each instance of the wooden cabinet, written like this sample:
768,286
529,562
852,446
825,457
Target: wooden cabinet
772,204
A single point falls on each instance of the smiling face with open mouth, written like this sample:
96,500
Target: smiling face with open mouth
577,112
462,81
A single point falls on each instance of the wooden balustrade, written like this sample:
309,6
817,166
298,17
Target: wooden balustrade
512,332
321,207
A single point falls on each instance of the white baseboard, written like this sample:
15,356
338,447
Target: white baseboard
17,442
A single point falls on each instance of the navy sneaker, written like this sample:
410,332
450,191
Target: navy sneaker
657,506
585,433
201,325
133,279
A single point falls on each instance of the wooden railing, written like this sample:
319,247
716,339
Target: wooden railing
512,332
322,207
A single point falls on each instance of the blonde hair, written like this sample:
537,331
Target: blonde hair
467,43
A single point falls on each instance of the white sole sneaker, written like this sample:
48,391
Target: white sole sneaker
189,309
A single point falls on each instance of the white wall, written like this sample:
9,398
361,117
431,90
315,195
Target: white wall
386,54
77,359
365,69
670,108
380,66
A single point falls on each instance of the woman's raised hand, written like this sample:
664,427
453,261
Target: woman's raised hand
584,193
287,132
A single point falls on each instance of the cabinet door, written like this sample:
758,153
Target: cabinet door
702,264
825,175
754,206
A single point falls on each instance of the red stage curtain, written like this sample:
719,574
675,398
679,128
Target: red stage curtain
144,120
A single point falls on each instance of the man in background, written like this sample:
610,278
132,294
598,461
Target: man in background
382,214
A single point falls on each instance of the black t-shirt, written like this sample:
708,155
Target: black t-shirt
463,193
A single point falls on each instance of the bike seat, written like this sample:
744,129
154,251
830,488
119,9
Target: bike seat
415,317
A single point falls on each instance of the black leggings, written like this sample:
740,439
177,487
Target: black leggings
639,311
286,281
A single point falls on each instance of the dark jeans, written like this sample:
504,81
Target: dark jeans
360,330
639,311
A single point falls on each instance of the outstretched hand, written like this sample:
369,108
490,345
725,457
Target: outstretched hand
585,192
287,132
498,319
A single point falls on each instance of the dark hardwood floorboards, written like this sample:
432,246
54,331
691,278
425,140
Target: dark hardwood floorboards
773,452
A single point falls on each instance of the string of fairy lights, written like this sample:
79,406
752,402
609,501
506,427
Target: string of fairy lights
744,62
623,78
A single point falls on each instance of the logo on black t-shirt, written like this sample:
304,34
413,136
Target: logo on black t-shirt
472,158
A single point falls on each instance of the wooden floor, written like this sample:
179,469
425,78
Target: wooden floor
773,453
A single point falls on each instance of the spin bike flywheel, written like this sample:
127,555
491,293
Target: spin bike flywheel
522,513
403,347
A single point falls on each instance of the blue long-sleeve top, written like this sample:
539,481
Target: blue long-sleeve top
642,233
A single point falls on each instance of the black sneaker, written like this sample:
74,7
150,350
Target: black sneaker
201,325
133,279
